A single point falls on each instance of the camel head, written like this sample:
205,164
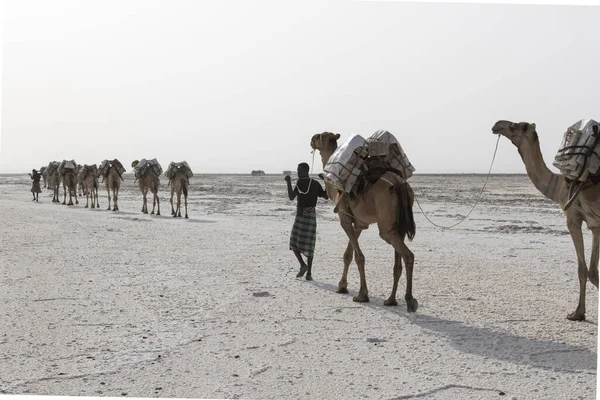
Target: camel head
134,163
325,141
517,133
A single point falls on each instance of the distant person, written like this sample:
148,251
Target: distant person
35,188
304,231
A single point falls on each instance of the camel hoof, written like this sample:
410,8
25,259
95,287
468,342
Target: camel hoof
86,206
576,317
390,302
158,213
174,216
412,305
342,290
361,299
186,215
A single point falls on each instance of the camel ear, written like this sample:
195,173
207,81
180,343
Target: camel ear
337,136
533,126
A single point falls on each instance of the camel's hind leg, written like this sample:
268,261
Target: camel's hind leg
408,257
65,195
178,203
115,198
593,272
172,194
582,271
391,301
108,192
363,292
185,194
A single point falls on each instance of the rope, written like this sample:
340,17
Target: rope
477,202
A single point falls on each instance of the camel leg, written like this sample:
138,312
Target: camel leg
391,301
348,255
582,272
145,204
108,192
363,292
116,199
593,272
153,202
172,194
408,257
157,203
64,196
87,200
185,201
179,203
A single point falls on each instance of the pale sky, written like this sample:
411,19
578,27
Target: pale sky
236,86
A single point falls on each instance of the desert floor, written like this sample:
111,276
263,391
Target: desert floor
102,303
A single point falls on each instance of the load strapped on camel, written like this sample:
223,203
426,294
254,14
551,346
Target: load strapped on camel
52,167
66,165
140,168
578,157
179,166
87,170
359,159
105,166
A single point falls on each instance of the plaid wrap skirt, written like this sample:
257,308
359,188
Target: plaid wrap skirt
304,231
35,188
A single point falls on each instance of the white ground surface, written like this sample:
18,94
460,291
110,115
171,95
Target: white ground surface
101,303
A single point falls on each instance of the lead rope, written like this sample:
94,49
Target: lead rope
477,202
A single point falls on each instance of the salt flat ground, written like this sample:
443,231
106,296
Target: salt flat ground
101,303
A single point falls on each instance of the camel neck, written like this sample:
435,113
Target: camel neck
326,154
547,182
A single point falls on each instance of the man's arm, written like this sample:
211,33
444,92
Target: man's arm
291,193
322,192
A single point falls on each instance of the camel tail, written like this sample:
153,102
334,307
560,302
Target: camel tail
406,221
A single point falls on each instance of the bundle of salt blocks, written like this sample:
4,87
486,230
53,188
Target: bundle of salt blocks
173,167
143,165
347,163
66,164
106,164
579,154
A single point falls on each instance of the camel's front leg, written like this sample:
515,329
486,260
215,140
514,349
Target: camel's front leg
348,255
593,272
65,196
363,292
145,204
87,200
582,272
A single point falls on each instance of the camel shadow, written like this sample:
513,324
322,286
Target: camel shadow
490,343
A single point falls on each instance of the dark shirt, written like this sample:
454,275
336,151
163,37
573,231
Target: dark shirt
36,177
310,198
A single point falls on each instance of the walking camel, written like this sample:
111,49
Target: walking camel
179,174
148,180
88,176
388,203
69,181
53,179
111,172
585,208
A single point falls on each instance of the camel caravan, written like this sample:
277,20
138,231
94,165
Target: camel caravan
367,180
84,180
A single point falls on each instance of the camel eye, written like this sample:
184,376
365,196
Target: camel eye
525,127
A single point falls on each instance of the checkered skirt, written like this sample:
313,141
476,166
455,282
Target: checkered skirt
304,231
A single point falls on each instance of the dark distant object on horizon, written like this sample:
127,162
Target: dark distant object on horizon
287,172
257,173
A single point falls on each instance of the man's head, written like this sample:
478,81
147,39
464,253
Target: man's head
303,169
34,171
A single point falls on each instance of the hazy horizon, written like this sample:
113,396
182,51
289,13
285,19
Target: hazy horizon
235,87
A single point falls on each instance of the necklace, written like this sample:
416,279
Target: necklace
307,189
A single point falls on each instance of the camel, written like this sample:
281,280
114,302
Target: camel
88,176
111,175
585,208
54,179
79,180
69,181
148,180
179,180
388,203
